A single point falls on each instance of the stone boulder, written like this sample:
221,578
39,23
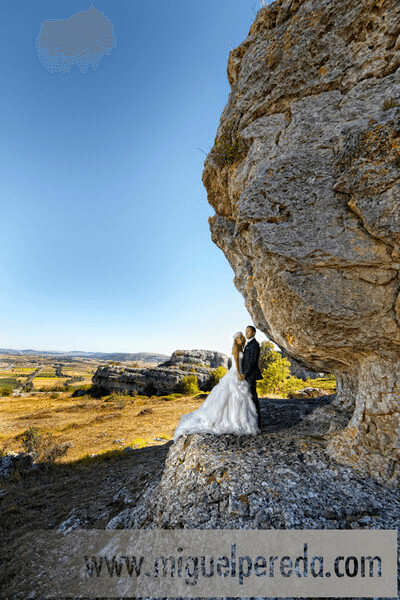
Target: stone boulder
200,358
304,177
164,379
15,462
307,392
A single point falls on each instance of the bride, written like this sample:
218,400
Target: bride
229,407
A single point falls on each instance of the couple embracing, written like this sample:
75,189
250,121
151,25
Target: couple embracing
232,406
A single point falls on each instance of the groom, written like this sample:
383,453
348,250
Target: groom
251,371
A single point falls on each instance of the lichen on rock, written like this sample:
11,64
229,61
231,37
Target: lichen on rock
308,216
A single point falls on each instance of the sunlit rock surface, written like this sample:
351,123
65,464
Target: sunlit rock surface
304,177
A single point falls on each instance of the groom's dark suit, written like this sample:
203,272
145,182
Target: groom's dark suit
252,372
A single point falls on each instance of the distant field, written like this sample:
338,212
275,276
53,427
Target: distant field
7,381
71,372
47,382
46,373
90,424
46,378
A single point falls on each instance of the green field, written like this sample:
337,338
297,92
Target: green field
8,381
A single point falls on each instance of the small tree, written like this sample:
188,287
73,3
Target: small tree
189,385
217,375
276,376
267,355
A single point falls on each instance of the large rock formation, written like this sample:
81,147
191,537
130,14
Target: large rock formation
165,378
236,482
304,177
281,479
199,358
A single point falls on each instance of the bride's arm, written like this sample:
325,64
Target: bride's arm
235,353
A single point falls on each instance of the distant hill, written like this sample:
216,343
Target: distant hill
116,356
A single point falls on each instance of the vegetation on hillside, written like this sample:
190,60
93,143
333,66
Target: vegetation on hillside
190,385
277,378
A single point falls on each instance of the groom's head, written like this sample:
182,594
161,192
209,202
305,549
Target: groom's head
250,332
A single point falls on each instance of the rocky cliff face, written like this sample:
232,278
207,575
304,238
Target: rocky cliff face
304,177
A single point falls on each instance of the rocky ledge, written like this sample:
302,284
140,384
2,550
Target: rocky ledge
280,479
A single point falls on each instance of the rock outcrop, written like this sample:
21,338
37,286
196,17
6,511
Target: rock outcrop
15,462
164,379
304,177
199,358
229,483
299,370
281,479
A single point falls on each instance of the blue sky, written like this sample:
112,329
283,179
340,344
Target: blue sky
103,215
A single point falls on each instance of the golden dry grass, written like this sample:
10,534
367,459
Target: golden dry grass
92,424
21,371
75,372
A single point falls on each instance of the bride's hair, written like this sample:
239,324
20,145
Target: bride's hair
235,336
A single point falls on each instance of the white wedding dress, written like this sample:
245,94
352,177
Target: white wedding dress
227,409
